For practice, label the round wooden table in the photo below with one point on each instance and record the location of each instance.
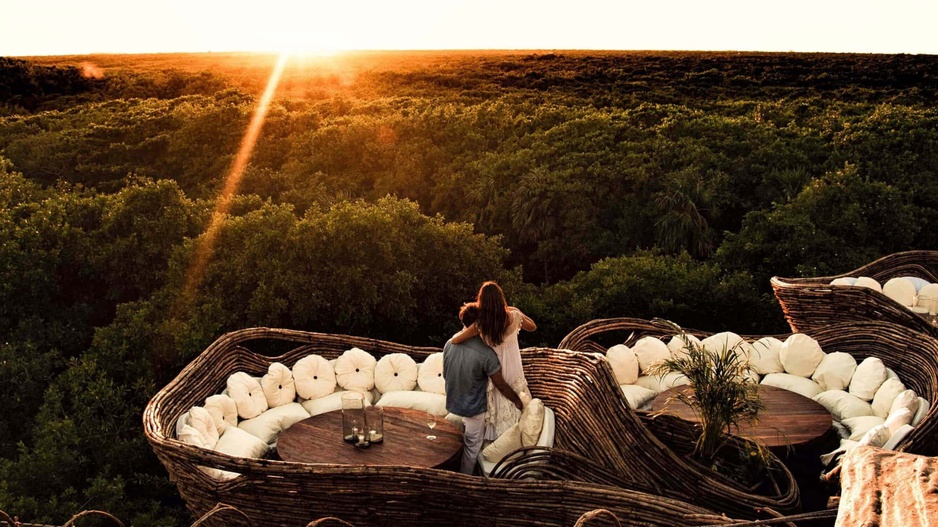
(789, 419)
(319, 440)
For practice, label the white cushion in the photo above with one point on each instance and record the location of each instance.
(637, 396)
(846, 445)
(650, 352)
(247, 394)
(901, 290)
(897, 437)
(800, 355)
(313, 377)
(331, 402)
(237, 442)
(876, 436)
(426, 401)
(835, 371)
(919, 283)
(929, 291)
(846, 280)
(898, 418)
(764, 357)
(182, 421)
(189, 435)
(505, 444)
(728, 341)
(678, 346)
(394, 372)
(868, 377)
(660, 383)
(890, 374)
(201, 430)
(430, 374)
(842, 405)
(793, 383)
(624, 363)
(224, 411)
(923, 407)
(546, 440)
(269, 424)
(907, 399)
(885, 395)
(355, 370)
(531, 421)
(866, 281)
(278, 385)
(859, 426)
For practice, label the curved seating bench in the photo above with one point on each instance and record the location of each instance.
(810, 304)
(274, 492)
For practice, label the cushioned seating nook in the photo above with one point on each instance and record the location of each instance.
(273, 492)
(810, 304)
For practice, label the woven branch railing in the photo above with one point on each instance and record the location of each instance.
(810, 304)
(911, 354)
(272, 492)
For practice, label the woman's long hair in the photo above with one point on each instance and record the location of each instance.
(493, 313)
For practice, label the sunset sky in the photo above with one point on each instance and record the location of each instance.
(56, 27)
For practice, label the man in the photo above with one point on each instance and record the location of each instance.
(467, 368)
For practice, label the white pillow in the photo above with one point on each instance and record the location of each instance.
(728, 341)
(269, 424)
(899, 418)
(531, 422)
(868, 377)
(650, 352)
(394, 372)
(224, 411)
(859, 426)
(331, 402)
(355, 370)
(890, 374)
(426, 401)
(637, 396)
(842, 405)
(624, 363)
(876, 436)
(203, 425)
(660, 383)
(506, 443)
(247, 394)
(901, 290)
(866, 281)
(897, 437)
(764, 357)
(847, 280)
(919, 283)
(800, 355)
(313, 377)
(930, 291)
(189, 435)
(430, 375)
(906, 399)
(923, 407)
(793, 383)
(885, 395)
(835, 371)
(679, 346)
(278, 385)
(236, 442)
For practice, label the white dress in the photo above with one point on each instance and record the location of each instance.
(501, 413)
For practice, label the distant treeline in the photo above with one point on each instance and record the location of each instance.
(385, 187)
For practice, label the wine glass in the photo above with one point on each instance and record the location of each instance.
(431, 422)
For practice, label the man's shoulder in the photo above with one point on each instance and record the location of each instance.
(475, 344)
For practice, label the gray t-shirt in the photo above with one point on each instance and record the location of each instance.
(467, 368)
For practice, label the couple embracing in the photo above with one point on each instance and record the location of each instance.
(482, 368)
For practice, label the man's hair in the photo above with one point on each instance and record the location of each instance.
(469, 313)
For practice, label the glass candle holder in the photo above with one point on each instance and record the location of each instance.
(353, 416)
(374, 423)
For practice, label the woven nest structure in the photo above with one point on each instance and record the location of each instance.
(911, 354)
(810, 304)
(597, 441)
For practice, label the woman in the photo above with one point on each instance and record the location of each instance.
(498, 325)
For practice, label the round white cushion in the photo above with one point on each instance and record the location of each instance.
(901, 290)
(764, 357)
(224, 411)
(278, 385)
(800, 355)
(859, 426)
(678, 346)
(846, 280)
(728, 341)
(793, 383)
(868, 377)
(917, 282)
(430, 374)
(866, 281)
(313, 377)
(835, 371)
(842, 405)
(247, 394)
(355, 370)
(394, 372)
(650, 352)
(624, 363)
(886, 395)
(928, 296)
